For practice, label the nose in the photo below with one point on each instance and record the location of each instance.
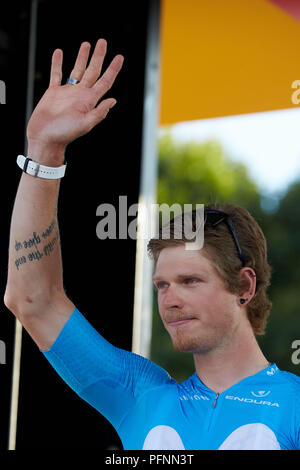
(171, 299)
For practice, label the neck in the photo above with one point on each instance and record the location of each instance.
(225, 366)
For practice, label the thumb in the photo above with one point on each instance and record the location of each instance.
(99, 113)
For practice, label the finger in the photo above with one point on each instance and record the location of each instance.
(99, 113)
(94, 69)
(105, 82)
(81, 61)
(56, 68)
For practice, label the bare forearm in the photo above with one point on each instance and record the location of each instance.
(34, 291)
(35, 267)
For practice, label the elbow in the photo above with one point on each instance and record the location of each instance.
(25, 304)
(9, 301)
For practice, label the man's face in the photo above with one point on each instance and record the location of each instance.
(196, 310)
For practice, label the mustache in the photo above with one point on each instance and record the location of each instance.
(170, 317)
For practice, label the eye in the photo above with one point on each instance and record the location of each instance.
(160, 285)
(191, 281)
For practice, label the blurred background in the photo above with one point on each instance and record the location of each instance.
(208, 111)
(229, 131)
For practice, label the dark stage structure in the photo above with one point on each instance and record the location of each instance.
(105, 164)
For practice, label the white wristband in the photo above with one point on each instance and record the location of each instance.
(33, 168)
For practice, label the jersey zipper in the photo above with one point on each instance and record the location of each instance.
(212, 413)
(215, 402)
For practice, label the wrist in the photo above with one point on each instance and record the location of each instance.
(46, 153)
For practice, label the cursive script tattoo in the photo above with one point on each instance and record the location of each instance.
(37, 245)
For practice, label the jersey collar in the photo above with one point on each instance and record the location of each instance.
(268, 372)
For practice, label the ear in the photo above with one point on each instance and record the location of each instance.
(247, 283)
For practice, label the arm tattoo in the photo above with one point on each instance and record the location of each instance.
(37, 246)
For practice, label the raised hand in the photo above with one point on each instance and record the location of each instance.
(66, 112)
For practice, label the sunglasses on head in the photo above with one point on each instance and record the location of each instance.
(214, 218)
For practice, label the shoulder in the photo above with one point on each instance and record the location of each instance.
(293, 400)
(146, 373)
(290, 378)
(290, 387)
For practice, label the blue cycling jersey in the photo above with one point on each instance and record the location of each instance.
(150, 410)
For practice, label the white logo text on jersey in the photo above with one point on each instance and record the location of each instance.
(251, 400)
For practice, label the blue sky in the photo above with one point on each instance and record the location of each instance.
(268, 143)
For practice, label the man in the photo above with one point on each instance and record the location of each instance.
(212, 301)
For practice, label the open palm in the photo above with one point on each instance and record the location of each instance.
(65, 112)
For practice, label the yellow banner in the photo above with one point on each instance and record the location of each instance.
(226, 57)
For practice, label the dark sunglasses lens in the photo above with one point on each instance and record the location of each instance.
(214, 217)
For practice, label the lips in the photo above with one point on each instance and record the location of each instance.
(180, 321)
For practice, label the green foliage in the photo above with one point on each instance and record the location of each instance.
(282, 231)
(193, 173)
(202, 173)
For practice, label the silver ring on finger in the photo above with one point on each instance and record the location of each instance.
(72, 81)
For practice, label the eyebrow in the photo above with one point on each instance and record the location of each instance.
(179, 276)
